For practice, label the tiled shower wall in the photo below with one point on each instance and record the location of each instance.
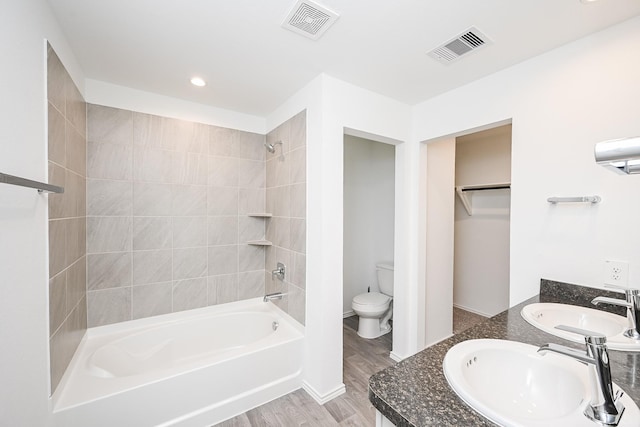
(167, 205)
(286, 200)
(166, 225)
(67, 142)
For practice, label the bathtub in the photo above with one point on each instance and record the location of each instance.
(192, 368)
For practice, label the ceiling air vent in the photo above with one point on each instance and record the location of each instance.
(309, 19)
(468, 41)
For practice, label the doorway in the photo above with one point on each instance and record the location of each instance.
(368, 216)
(481, 225)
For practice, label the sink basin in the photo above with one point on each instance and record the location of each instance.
(512, 385)
(546, 316)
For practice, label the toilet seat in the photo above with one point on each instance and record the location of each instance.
(370, 301)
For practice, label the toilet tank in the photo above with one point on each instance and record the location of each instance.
(384, 271)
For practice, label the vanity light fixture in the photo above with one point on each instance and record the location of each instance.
(197, 81)
(620, 155)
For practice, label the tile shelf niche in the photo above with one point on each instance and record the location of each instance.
(260, 242)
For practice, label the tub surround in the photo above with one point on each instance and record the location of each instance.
(67, 147)
(169, 206)
(415, 392)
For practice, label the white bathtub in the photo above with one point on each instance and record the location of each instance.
(193, 368)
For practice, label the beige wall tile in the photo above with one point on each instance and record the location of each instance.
(298, 162)
(57, 246)
(76, 108)
(250, 258)
(57, 79)
(222, 260)
(298, 235)
(222, 201)
(250, 145)
(151, 233)
(109, 198)
(57, 176)
(76, 239)
(298, 197)
(56, 136)
(57, 301)
(251, 174)
(151, 300)
(109, 234)
(109, 125)
(190, 168)
(189, 263)
(251, 200)
(188, 200)
(108, 306)
(223, 230)
(299, 270)
(222, 142)
(151, 199)
(154, 131)
(251, 285)
(226, 287)
(152, 266)
(76, 283)
(222, 172)
(250, 228)
(189, 231)
(76, 151)
(297, 301)
(298, 132)
(154, 165)
(109, 161)
(109, 270)
(190, 293)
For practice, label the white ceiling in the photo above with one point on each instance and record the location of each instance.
(252, 64)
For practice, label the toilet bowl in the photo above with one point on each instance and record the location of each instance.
(375, 309)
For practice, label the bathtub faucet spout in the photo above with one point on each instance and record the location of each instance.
(273, 296)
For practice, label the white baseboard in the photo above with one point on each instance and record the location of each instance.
(472, 310)
(440, 340)
(348, 314)
(323, 398)
(396, 357)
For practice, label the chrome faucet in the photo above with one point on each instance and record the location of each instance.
(278, 272)
(632, 303)
(605, 406)
(275, 295)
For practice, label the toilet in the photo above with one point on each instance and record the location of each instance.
(374, 309)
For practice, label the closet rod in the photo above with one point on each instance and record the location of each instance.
(485, 187)
(23, 182)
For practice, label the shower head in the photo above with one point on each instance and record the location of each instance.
(272, 147)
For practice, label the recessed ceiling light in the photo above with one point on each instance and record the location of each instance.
(588, 1)
(197, 81)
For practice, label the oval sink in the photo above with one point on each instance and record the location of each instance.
(546, 316)
(512, 385)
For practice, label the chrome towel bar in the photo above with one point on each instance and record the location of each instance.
(579, 199)
(23, 182)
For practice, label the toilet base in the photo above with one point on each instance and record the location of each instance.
(369, 328)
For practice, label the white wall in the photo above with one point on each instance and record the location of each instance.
(440, 180)
(24, 323)
(369, 172)
(481, 243)
(561, 104)
(111, 95)
(334, 107)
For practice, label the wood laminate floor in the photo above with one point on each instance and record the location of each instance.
(362, 358)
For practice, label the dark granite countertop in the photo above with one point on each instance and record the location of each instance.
(414, 392)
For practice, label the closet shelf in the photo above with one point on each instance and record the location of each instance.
(261, 214)
(259, 243)
(463, 190)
